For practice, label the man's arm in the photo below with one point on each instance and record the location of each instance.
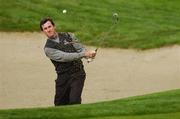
(61, 56)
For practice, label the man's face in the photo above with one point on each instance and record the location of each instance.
(49, 30)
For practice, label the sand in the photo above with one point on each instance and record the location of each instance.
(27, 76)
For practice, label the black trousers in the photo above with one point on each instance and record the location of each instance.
(69, 89)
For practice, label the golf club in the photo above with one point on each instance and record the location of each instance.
(101, 38)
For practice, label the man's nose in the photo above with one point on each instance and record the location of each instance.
(48, 30)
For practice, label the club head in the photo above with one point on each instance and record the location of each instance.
(115, 17)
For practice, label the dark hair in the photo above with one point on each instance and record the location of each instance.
(44, 20)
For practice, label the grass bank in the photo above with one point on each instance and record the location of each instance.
(164, 105)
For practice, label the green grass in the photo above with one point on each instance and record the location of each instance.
(143, 24)
(164, 105)
(148, 116)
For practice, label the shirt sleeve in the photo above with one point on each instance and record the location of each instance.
(78, 46)
(61, 56)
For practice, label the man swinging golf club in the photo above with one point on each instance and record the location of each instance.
(66, 55)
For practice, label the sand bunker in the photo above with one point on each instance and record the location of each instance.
(27, 76)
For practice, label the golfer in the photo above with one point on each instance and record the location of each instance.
(65, 53)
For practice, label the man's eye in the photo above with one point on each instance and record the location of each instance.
(45, 28)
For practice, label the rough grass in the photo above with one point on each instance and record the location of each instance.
(143, 24)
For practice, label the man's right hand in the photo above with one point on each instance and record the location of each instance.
(90, 54)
